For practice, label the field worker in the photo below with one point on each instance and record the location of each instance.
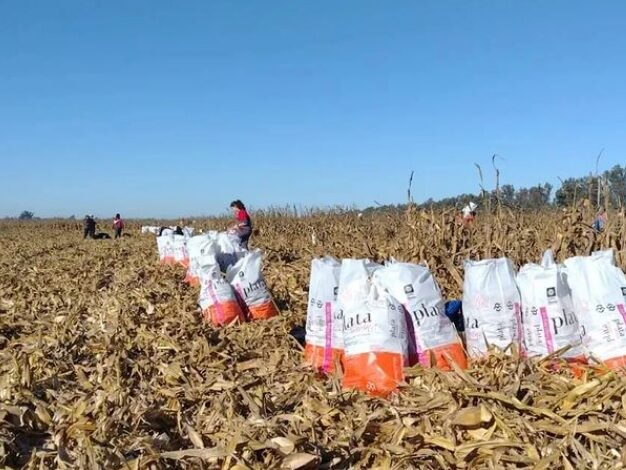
(118, 225)
(243, 227)
(469, 214)
(89, 227)
(600, 222)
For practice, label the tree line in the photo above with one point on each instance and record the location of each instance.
(607, 188)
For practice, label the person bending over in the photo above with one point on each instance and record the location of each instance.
(243, 227)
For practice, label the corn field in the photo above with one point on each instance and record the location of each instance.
(105, 361)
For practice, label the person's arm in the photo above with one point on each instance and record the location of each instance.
(239, 222)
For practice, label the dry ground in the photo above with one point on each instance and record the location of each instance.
(105, 362)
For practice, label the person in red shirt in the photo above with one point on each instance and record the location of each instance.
(243, 227)
(118, 225)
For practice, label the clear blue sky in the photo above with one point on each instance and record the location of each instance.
(164, 108)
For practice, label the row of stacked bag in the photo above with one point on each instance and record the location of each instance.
(373, 320)
(230, 278)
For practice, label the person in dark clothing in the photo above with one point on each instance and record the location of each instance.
(89, 227)
(118, 225)
(243, 227)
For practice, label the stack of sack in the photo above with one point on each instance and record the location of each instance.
(373, 320)
(238, 294)
(232, 286)
(575, 310)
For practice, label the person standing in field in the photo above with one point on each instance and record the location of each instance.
(89, 227)
(118, 225)
(243, 227)
(600, 222)
(468, 214)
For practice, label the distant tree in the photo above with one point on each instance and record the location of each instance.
(507, 194)
(573, 190)
(72, 217)
(611, 184)
(616, 179)
(26, 215)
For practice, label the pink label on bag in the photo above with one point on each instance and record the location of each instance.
(216, 303)
(329, 333)
(622, 311)
(546, 329)
(518, 317)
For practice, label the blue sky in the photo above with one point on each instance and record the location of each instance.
(162, 108)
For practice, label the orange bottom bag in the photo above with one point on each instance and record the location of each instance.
(262, 311)
(192, 280)
(224, 313)
(321, 358)
(616, 363)
(376, 373)
(439, 357)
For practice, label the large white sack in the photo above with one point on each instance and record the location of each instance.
(165, 245)
(180, 249)
(217, 299)
(324, 321)
(549, 322)
(430, 332)
(374, 333)
(199, 247)
(246, 277)
(491, 306)
(599, 295)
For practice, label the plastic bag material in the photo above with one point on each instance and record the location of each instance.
(599, 295)
(432, 338)
(324, 322)
(247, 279)
(230, 251)
(179, 247)
(198, 247)
(217, 299)
(491, 306)
(374, 331)
(604, 254)
(150, 229)
(165, 245)
(549, 322)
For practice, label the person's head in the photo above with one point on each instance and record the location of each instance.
(117, 216)
(237, 206)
